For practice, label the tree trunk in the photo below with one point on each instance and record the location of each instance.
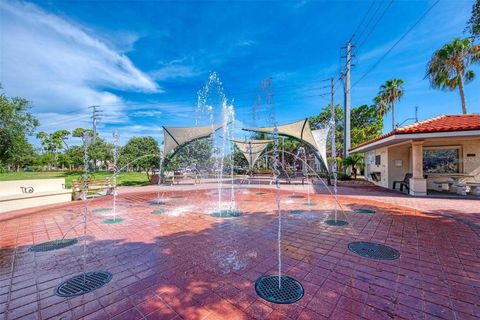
(393, 115)
(462, 94)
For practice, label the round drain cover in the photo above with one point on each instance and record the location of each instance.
(296, 197)
(365, 211)
(160, 211)
(226, 214)
(83, 283)
(374, 250)
(336, 223)
(53, 245)
(112, 221)
(290, 290)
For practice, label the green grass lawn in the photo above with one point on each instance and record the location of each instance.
(123, 179)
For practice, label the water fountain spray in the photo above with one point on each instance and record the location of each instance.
(86, 139)
(266, 86)
(215, 86)
(334, 157)
(160, 170)
(231, 119)
(302, 154)
(116, 137)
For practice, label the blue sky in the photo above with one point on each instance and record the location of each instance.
(145, 61)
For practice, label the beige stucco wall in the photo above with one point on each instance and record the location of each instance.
(45, 191)
(382, 168)
(390, 172)
(39, 185)
(399, 153)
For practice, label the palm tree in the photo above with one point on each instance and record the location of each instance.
(389, 93)
(353, 160)
(382, 107)
(448, 68)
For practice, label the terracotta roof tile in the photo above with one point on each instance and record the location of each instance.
(445, 123)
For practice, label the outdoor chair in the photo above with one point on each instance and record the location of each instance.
(375, 176)
(403, 183)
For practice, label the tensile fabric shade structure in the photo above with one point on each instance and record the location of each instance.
(252, 149)
(321, 138)
(174, 138)
(301, 130)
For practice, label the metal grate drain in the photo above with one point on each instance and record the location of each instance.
(226, 214)
(112, 221)
(296, 211)
(365, 211)
(290, 291)
(336, 223)
(374, 250)
(157, 203)
(160, 211)
(296, 197)
(259, 193)
(309, 204)
(76, 286)
(177, 197)
(53, 245)
(98, 210)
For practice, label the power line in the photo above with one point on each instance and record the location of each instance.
(363, 19)
(371, 19)
(375, 25)
(396, 43)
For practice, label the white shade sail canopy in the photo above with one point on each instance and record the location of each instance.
(251, 149)
(175, 137)
(321, 138)
(301, 130)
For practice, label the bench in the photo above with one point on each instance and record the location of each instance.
(179, 176)
(474, 188)
(22, 194)
(471, 187)
(442, 185)
(260, 177)
(82, 187)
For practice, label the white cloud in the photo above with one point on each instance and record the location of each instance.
(59, 66)
(146, 114)
(174, 71)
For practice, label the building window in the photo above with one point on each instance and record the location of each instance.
(378, 160)
(441, 160)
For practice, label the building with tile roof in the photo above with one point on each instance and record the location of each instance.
(435, 154)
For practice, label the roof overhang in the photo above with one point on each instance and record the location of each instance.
(402, 138)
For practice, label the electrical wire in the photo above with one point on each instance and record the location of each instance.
(395, 44)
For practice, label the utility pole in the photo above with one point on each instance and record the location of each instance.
(334, 133)
(95, 117)
(346, 105)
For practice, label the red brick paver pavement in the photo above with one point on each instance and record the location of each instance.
(185, 264)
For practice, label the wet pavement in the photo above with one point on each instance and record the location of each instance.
(183, 263)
